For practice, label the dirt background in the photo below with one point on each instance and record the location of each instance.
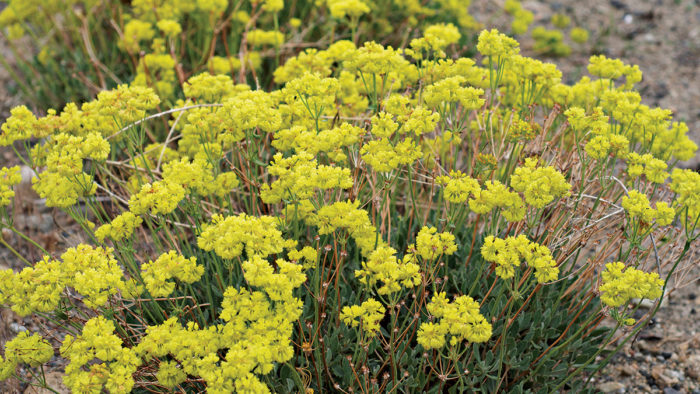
(661, 36)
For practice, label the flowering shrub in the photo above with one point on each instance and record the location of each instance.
(386, 220)
(86, 46)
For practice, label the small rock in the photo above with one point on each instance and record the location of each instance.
(693, 367)
(628, 370)
(666, 355)
(611, 387)
(693, 372)
(617, 4)
(628, 19)
(17, 328)
(27, 174)
(670, 390)
(677, 375)
(660, 374)
(648, 347)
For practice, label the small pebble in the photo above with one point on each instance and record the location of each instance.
(611, 387)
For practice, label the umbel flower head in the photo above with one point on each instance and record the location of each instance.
(367, 315)
(460, 319)
(389, 274)
(540, 185)
(509, 253)
(621, 284)
(8, 178)
(25, 348)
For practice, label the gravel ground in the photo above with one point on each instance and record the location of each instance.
(662, 37)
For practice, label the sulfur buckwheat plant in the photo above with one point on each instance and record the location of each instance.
(384, 219)
(81, 47)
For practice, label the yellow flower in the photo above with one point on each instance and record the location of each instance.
(135, 31)
(579, 35)
(229, 237)
(273, 5)
(458, 186)
(637, 206)
(25, 348)
(497, 195)
(493, 43)
(368, 315)
(388, 273)
(18, 126)
(686, 185)
(373, 58)
(460, 319)
(430, 244)
(351, 8)
(169, 27)
(161, 197)
(384, 157)
(8, 178)
(621, 285)
(540, 185)
(278, 286)
(602, 67)
(510, 252)
(259, 37)
(98, 359)
(121, 227)
(157, 274)
(170, 374)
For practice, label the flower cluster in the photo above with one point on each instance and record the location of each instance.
(509, 253)
(348, 216)
(121, 227)
(638, 207)
(686, 184)
(497, 195)
(430, 244)
(387, 273)
(653, 169)
(385, 157)
(458, 187)
(540, 185)
(276, 195)
(8, 178)
(157, 274)
(92, 272)
(279, 286)
(494, 44)
(460, 319)
(621, 284)
(229, 237)
(367, 315)
(98, 359)
(25, 348)
(299, 177)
